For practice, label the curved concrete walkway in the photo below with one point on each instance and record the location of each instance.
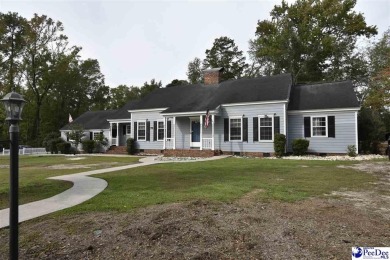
(84, 188)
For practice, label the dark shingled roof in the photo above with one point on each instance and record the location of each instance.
(198, 97)
(123, 113)
(92, 120)
(323, 96)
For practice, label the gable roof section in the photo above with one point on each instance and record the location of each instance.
(198, 97)
(323, 96)
(92, 120)
(262, 89)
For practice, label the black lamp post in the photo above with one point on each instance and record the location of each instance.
(13, 103)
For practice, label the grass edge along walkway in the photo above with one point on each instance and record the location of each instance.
(83, 189)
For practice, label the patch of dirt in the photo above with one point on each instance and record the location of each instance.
(317, 228)
(248, 198)
(377, 200)
(310, 229)
(76, 158)
(79, 166)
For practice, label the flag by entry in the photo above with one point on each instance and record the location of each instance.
(70, 119)
(207, 119)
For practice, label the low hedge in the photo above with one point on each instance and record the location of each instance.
(88, 145)
(279, 144)
(300, 146)
(131, 149)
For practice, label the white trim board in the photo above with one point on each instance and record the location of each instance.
(255, 103)
(293, 112)
(119, 120)
(195, 113)
(147, 110)
(87, 130)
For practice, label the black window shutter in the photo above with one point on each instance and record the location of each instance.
(277, 125)
(135, 131)
(306, 121)
(147, 130)
(226, 129)
(169, 129)
(255, 129)
(331, 126)
(90, 136)
(155, 131)
(245, 129)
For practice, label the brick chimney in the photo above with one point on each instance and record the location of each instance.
(212, 76)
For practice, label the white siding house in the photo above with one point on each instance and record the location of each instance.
(235, 116)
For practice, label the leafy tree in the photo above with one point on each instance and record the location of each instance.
(119, 96)
(12, 32)
(45, 46)
(378, 94)
(149, 87)
(92, 78)
(100, 142)
(194, 71)
(312, 39)
(225, 53)
(371, 128)
(177, 82)
(51, 141)
(76, 134)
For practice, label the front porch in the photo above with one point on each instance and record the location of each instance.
(189, 133)
(119, 132)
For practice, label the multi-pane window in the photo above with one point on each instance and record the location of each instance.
(319, 126)
(142, 131)
(266, 128)
(160, 130)
(235, 128)
(128, 129)
(96, 135)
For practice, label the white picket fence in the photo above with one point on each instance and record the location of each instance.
(25, 151)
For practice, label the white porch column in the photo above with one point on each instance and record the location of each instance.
(201, 132)
(110, 135)
(165, 132)
(174, 132)
(117, 134)
(212, 131)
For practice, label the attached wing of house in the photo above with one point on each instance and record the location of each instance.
(243, 116)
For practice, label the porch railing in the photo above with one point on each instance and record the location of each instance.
(169, 143)
(207, 143)
(113, 141)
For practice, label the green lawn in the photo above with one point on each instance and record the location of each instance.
(222, 180)
(34, 170)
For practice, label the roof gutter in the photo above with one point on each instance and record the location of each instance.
(255, 103)
(194, 113)
(292, 112)
(147, 110)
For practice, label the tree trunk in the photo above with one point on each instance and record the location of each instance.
(37, 121)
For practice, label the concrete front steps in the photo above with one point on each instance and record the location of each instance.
(117, 150)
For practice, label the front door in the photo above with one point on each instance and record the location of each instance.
(195, 133)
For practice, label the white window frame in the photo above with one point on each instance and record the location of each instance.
(128, 129)
(160, 121)
(312, 126)
(236, 117)
(93, 135)
(138, 122)
(273, 128)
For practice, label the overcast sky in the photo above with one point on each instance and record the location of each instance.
(136, 41)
